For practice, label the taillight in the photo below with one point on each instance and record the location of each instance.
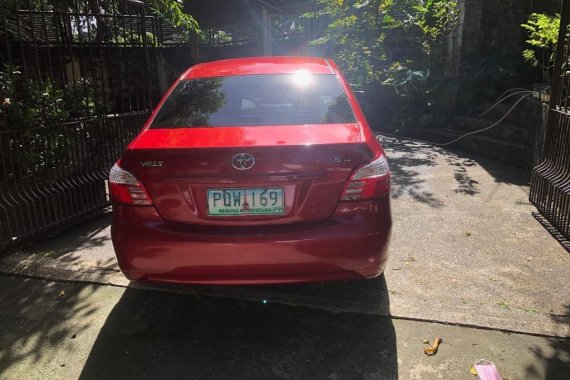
(369, 181)
(126, 188)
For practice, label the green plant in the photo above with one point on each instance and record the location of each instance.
(542, 37)
(29, 103)
(390, 48)
(30, 108)
(214, 37)
(79, 100)
(363, 35)
(35, 112)
(504, 304)
(436, 19)
(530, 309)
(173, 12)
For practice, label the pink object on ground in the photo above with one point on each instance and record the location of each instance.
(487, 370)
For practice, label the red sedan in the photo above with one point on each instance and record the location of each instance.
(253, 171)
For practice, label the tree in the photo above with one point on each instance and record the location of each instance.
(171, 11)
(393, 49)
(360, 34)
(542, 37)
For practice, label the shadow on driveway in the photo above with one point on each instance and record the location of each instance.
(86, 237)
(409, 160)
(556, 362)
(151, 334)
(34, 321)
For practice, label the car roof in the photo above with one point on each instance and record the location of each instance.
(259, 65)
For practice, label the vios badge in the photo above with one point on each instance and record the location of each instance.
(243, 161)
(152, 164)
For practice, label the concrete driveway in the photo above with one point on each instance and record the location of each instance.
(466, 251)
(61, 330)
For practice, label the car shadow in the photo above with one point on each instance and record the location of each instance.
(151, 334)
(362, 295)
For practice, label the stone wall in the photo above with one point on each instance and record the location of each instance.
(492, 27)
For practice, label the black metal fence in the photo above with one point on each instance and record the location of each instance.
(550, 184)
(79, 77)
(75, 86)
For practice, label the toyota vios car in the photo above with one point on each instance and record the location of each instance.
(253, 171)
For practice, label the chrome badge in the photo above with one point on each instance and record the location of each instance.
(152, 164)
(243, 161)
(339, 159)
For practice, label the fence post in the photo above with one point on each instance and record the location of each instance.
(146, 59)
(266, 31)
(550, 182)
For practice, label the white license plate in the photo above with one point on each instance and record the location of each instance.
(254, 201)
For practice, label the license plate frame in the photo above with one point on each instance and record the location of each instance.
(274, 205)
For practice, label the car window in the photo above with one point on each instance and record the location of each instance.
(250, 100)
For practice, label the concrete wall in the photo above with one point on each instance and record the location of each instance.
(493, 26)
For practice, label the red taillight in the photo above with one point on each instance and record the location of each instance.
(369, 181)
(126, 188)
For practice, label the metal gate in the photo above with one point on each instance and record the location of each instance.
(74, 90)
(550, 183)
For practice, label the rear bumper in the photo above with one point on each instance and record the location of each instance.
(351, 244)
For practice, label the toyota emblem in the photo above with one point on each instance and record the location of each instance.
(243, 161)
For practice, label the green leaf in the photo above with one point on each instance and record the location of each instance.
(173, 12)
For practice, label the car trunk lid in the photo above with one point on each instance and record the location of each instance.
(309, 163)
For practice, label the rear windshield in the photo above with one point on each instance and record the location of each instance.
(250, 100)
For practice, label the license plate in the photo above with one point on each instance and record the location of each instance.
(254, 201)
